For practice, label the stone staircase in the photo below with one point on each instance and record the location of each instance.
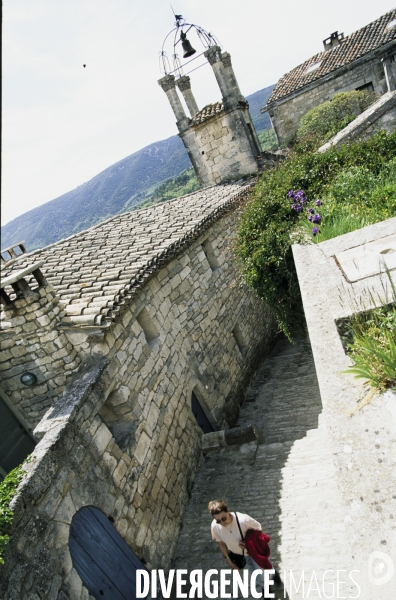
(286, 482)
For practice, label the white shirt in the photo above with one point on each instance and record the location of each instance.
(230, 535)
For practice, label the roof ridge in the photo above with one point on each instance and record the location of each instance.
(134, 211)
(114, 265)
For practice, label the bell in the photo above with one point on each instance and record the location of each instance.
(188, 49)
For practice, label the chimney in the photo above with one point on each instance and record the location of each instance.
(334, 40)
(12, 252)
(37, 357)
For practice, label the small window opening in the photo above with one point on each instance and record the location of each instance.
(117, 414)
(312, 68)
(6, 256)
(150, 331)
(200, 415)
(240, 339)
(210, 255)
(367, 87)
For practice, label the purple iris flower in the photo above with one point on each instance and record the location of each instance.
(311, 211)
(316, 219)
(291, 194)
(315, 231)
(318, 203)
(310, 218)
(298, 208)
(300, 197)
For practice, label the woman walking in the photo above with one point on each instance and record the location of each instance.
(229, 530)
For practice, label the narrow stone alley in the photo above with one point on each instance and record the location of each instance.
(286, 482)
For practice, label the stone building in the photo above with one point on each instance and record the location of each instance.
(364, 60)
(220, 138)
(134, 337)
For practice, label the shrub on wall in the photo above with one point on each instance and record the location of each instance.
(324, 121)
(269, 225)
(8, 488)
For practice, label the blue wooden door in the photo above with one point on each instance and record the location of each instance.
(101, 557)
(200, 415)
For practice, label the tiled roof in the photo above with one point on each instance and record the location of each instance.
(95, 271)
(211, 110)
(354, 46)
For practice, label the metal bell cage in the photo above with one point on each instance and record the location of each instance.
(180, 31)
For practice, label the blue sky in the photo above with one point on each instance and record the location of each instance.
(63, 123)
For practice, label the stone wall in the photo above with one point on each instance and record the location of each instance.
(30, 341)
(286, 113)
(223, 148)
(123, 437)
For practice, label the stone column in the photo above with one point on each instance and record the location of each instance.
(169, 86)
(226, 58)
(184, 85)
(213, 55)
(389, 63)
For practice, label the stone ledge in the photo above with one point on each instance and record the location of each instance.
(229, 437)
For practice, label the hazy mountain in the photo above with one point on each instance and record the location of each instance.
(123, 186)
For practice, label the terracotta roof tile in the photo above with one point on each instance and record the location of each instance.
(354, 46)
(83, 283)
(209, 111)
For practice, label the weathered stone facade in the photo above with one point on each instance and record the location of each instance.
(122, 436)
(30, 341)
(224, 148)
(285, 115)
(220, 139)
(364, 60)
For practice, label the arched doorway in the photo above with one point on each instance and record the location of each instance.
(104, 561)
(200, 415)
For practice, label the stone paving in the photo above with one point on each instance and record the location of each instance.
(287, 481)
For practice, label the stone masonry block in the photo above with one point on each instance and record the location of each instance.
(142, 447)
(101, 438)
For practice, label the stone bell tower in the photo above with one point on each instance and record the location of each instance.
(220, 138)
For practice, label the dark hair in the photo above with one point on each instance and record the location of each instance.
(217, 506)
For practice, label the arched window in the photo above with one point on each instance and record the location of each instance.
(104, 561)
